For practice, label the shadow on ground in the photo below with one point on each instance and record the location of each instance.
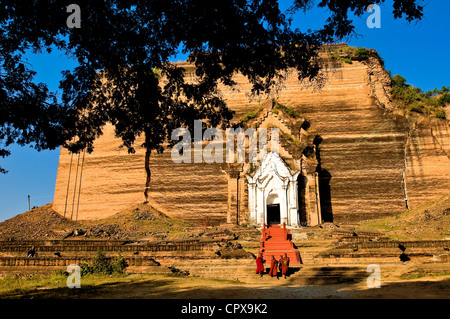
(197, 288)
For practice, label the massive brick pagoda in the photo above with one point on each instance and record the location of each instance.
(348, 153)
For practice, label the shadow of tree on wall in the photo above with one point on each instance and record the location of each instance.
(301, 189)
(325, 195)
(324, 184)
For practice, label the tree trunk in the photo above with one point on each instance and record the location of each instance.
(149, 173)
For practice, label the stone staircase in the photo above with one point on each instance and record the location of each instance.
(322, 261)
(243, 270)
(275, 241)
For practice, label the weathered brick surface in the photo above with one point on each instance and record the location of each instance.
(363, 149)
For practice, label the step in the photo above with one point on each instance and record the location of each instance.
(268, 255)
(277, 253)
(276, 243)
(293, 259)
(298, 275)
(280, 249)
(287, 246)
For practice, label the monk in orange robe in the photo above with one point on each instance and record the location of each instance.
(273, 267)
(285, 265)
(260, 265)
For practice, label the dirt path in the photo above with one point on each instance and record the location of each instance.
(144, 286)
(196, 289)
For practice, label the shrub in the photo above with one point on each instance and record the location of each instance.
(362, 53)
(347, 60)
(444, 99)
(118, 264)
(85, 269)
(436, 91)
(286, 109)
(402, 91)
(103, 265)
(348, 50)
(288, 138)
(440, 114)
(248, 116)
(100, 264)
(416, 107)
(398, 81)
(414, 100)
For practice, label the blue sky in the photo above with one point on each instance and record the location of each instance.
(418, 51)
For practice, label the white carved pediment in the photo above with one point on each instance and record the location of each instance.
(272, 165)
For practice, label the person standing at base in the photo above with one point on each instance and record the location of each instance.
(280, 263)
(260, 265)
(273, 267)
(32, 252)
(285, 265)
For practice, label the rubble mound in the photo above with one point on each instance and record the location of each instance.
(428, 222)
(39, 223)
(137, 222)
(140, 221)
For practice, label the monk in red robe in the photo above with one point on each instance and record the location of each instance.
(280, 262)
(260, 265)
(273, 267)
(285, 265)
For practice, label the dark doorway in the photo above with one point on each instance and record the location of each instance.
(324, 184)
(325, 195)
(301, 184)
(273, 214)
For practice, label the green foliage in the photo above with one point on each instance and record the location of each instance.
(275, 111)
(248, 116)
(103, 265)
(347, 60)
(286, 109)
(434, 92)
(288, 138)
(362, 53)
(85, 269)
(131, 43)
(417, 107)
(60, 272)
(444, 99)
(334, 55)
(440, 114)
(347, 53)
(416, 274)
(348, 50)
(414, 100)
(398, 81)
(118, 264)
(100, 264)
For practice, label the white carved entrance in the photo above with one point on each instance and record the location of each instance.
(272, 193)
